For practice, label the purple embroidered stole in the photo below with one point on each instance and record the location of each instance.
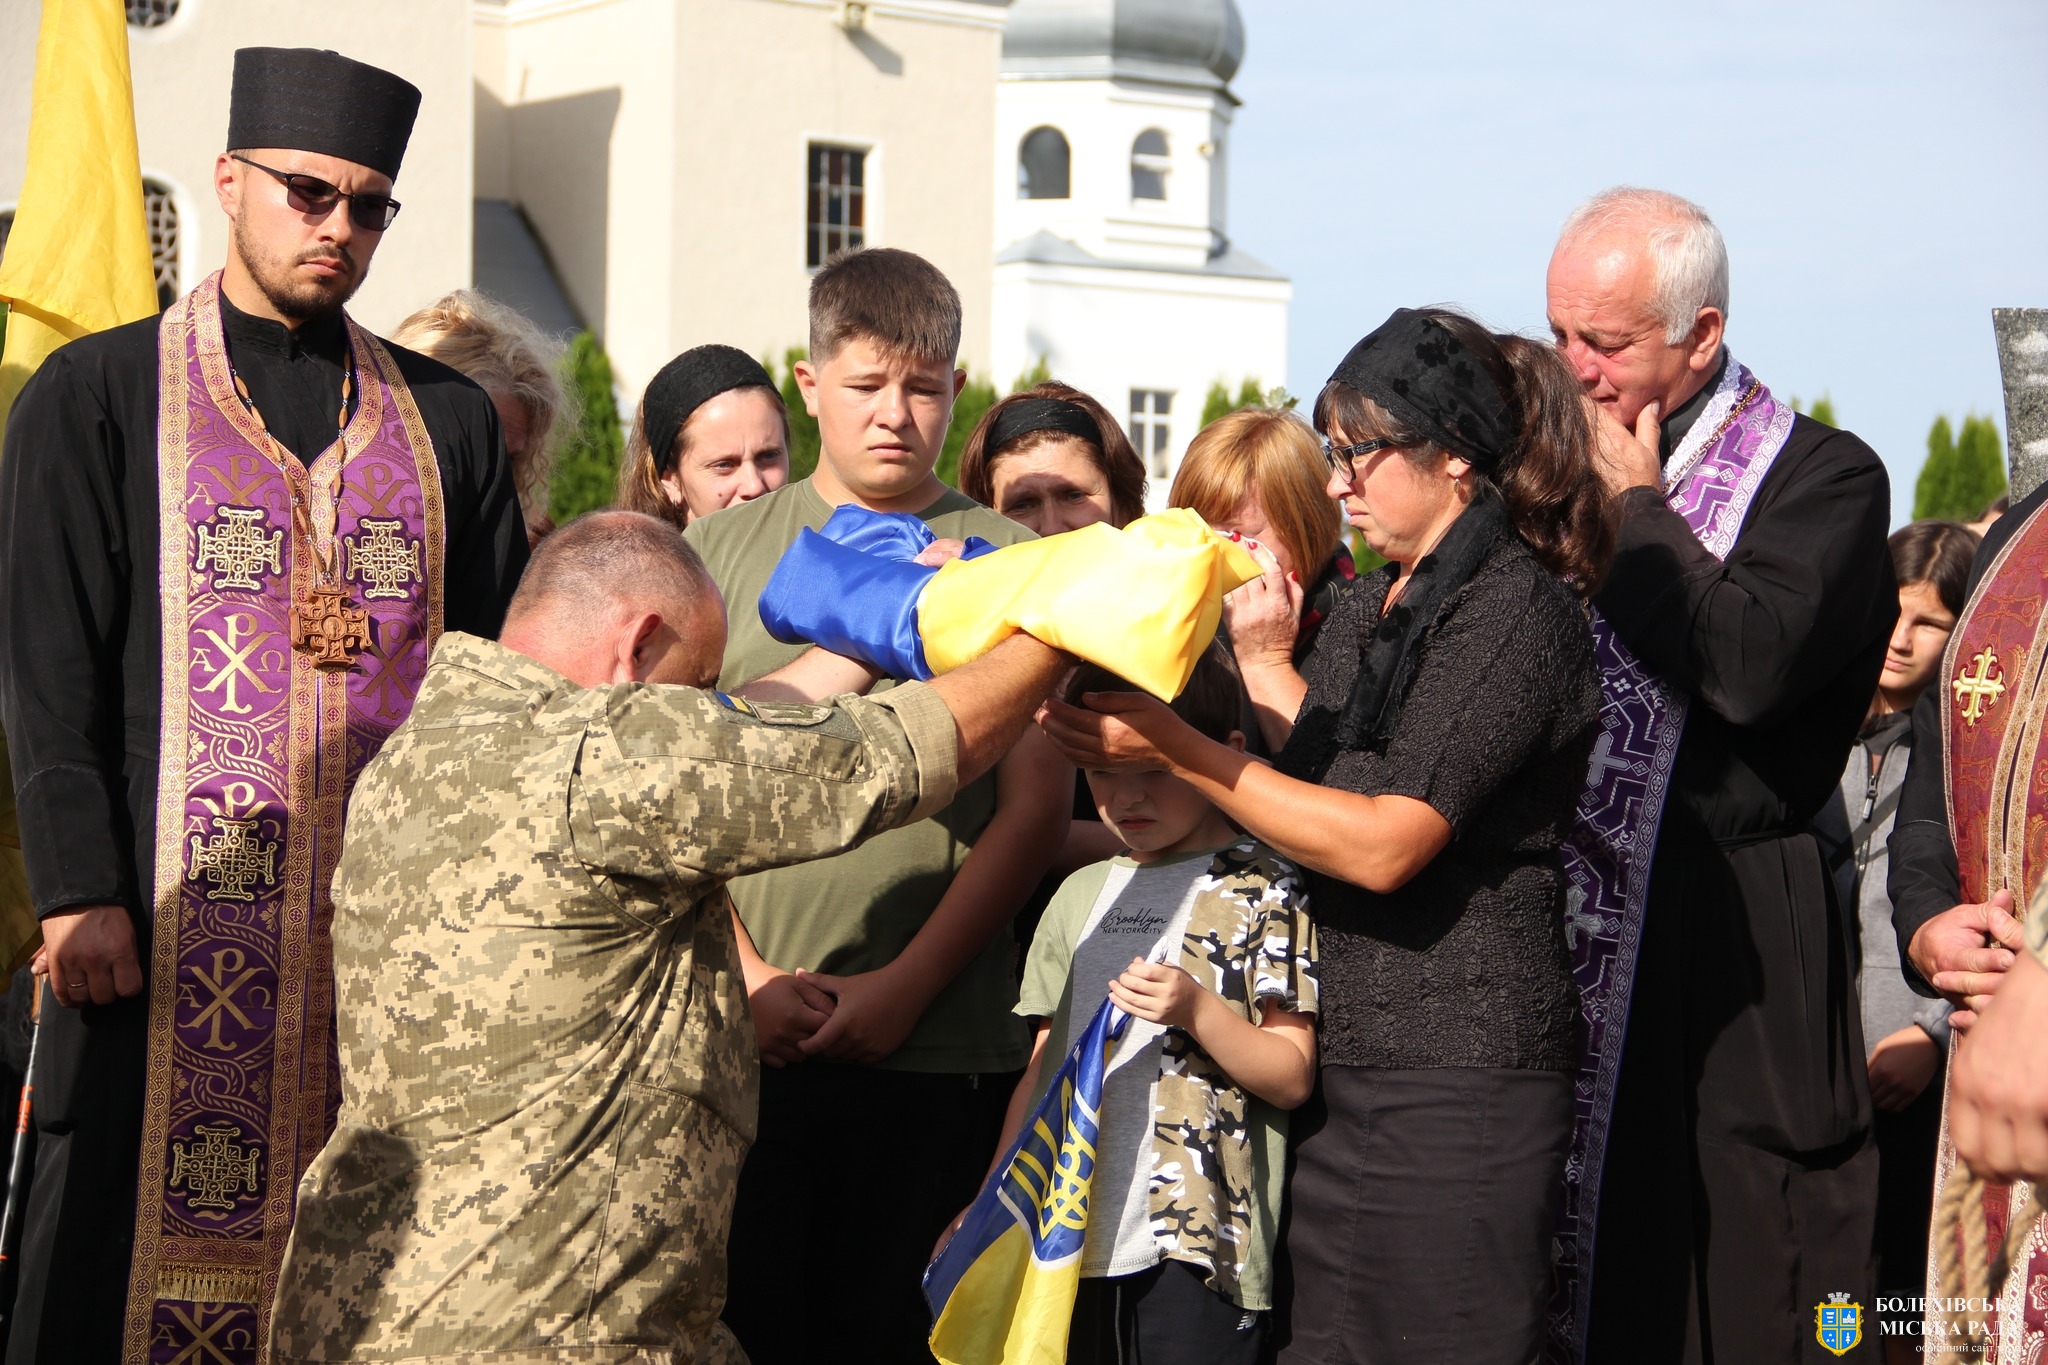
(259, 753)
(1709, 481)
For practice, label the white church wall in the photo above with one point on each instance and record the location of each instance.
(1110, 331)
(183, 73)
(659, 147)
(576, 111)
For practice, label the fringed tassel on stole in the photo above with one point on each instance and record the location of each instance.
(1967, 1270)
(208, 1283)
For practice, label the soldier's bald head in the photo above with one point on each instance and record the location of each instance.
(600, 574)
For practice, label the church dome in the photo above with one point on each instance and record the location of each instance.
(1173, 40)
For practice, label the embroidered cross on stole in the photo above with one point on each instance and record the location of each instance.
(277, 689)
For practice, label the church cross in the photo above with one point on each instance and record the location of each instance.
(383, 560)
(214, 1169)
(234, 859)
(1979, 692)
(330, 628)
(236, 547)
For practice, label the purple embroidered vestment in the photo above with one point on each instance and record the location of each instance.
(259, 753)
(1710, 481)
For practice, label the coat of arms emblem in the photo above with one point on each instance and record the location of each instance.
(1838, 1323)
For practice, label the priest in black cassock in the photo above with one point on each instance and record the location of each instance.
(229, 537)
(1739, 1187)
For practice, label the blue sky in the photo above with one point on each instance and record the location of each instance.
(1880, 171)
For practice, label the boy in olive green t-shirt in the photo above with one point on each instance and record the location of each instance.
(881, 981)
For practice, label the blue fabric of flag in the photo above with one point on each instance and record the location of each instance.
(852, 588)
(1002, 1291)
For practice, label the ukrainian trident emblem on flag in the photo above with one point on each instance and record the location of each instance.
(1838, 1323)
(1003, 1289)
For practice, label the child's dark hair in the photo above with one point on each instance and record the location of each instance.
(1212, 702)
(1936, 552)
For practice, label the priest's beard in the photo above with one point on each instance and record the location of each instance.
(290, 293)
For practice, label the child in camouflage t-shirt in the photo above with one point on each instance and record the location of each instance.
(1203, 936)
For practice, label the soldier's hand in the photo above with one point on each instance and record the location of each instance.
(89, 955)
(786, 1011)
(873, 1016)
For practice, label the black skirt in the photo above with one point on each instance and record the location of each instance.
(1420, 1213)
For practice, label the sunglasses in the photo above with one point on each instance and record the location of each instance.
(311, 194)
(1344, 459)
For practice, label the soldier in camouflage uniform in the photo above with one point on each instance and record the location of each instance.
(549, 1072)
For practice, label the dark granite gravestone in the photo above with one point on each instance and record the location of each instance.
(2023, 360)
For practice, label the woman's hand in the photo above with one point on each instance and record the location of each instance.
(1263, 617)
(1901, 1066)
(1115, 730)
(1158, 994)
(940, 553)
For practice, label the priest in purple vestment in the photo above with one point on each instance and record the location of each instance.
(229, 538)
(1731, 1186)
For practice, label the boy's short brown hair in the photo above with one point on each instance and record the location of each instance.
(1212, 702)
(896, 299)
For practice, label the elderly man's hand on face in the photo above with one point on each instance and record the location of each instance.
(1998, 1100)
(1627, 459)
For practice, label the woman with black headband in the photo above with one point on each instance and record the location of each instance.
(711, 431)
(1052, 459)
(1426, 785)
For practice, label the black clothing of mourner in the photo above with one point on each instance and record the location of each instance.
(81, 657)
(1741, 1177)
(1449, 1013)
(1924, 881)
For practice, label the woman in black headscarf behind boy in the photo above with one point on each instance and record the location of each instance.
(1427, 783)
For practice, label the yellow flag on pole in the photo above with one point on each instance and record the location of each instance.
(77, 261)
(78, 255)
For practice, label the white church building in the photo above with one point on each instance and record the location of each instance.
(671, 172)
(1116, 267)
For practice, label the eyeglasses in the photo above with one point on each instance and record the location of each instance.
(310, 194)
(1344, 459)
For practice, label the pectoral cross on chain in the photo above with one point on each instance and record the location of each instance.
(330, 627)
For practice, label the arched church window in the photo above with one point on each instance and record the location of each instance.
(1043, 165)
(1150, 161)
(162, 212)
(151, 13)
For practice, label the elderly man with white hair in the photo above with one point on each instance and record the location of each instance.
(1725, 1172)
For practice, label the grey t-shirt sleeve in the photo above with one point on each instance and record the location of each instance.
(1048, 967)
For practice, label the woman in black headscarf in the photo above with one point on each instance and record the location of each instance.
(712, 431)
(1426, 785)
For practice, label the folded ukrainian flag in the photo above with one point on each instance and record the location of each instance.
(1143, 602)
(1003, 1289)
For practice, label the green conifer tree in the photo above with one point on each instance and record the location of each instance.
(803, 428)
(1039, 373)
(587, 471)
(1963, 474)
(976, 398)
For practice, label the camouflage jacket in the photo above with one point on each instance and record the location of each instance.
(548, 1074)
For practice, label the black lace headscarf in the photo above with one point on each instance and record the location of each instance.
(1430, 382)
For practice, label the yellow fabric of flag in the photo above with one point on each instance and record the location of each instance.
(77, 261)
(1142, 602)
(78, 255)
